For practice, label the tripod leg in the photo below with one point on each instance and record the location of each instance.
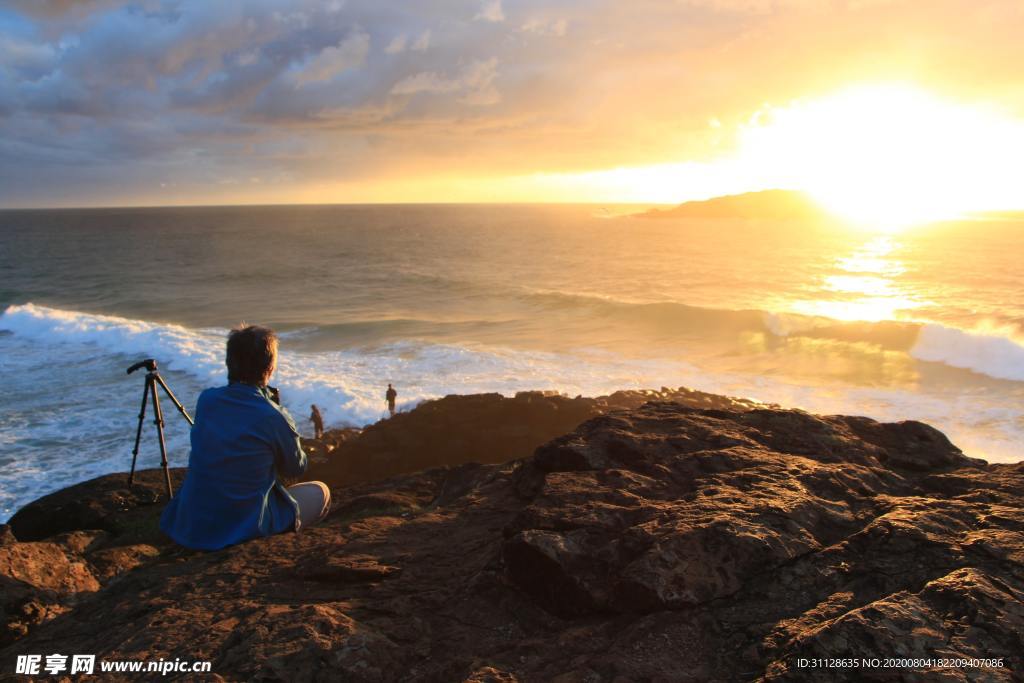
(160, 432)
(174, 399)
(138, 432)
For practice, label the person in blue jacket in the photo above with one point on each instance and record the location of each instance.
(243, 443)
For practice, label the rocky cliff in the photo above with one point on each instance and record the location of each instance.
(482, 428)
(658, 542)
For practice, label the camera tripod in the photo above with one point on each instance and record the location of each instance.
(153, 378)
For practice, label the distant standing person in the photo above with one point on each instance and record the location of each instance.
(390, 397)
(318, 422)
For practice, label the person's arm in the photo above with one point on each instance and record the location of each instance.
(289, 457)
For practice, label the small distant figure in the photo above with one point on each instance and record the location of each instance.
(318, 422)
(390, 397)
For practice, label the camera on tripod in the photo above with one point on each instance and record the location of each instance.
(153, 379)
(149, 364)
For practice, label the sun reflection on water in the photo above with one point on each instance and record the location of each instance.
(864, 287)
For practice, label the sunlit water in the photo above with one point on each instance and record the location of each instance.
(917, 325)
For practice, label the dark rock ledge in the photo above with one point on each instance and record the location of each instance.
(659, 541)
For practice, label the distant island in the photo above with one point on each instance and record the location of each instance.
(772, 204)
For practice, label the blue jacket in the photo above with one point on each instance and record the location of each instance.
(241, 442)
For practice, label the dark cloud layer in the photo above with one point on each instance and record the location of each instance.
(104, 101)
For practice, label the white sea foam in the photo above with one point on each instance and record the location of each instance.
(996, 352)
(348, 383)
(990, 353)
(56, 432)
(785, 324)
(176, 347)
(69, 412)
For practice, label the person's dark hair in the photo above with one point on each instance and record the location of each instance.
(251, 353)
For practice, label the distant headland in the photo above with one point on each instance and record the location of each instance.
(765, 204)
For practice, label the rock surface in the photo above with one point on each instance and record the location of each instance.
(483, 428)
(105, 503)
(661, 542)
(93, 531)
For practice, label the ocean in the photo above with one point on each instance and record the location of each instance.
(922, 324)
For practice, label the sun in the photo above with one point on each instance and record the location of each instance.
(881, 156)
(888, 156)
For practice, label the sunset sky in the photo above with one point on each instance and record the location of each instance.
(200, 102)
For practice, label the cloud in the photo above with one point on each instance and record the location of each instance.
(397, 44)
(27, 60)
(312, 91)
(764, 7)
(550, 27)
(349, 53)
(421, 43)
(247, 58)
(490, 11)
(425, 81)
(475, 81)
(56, 8)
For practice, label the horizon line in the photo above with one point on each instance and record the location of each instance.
(109, 207)
(284, 204)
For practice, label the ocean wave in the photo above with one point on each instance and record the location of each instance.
(658, 313)
(315, 361)
(996, 354)
(348, 383)
(176, 347)
(70, 405)
(303, 378)
(310, 336)
(669, 317)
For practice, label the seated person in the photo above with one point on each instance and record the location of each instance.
(243, 442)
